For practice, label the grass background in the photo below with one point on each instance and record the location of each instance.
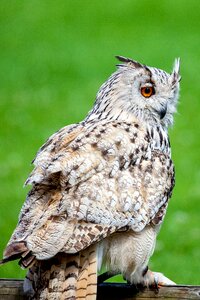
(54, 55)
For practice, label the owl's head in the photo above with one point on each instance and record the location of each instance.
(136, 90)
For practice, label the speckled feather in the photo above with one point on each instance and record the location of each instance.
(85, 204)
(110, 173)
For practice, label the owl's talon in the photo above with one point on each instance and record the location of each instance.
(151, 280)
(160, 280)
(156, 285)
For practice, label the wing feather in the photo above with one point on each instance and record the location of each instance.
(89, 182)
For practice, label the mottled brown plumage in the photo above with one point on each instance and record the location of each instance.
(100, 190)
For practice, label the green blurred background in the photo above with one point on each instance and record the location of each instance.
(54, 55)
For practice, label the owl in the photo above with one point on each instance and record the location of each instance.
(100, 189)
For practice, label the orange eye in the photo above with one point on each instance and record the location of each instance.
(147, 91)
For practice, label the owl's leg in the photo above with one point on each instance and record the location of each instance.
(129, 254)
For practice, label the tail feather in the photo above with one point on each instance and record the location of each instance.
(87, 281)
(72, 266)
(27, 261)
(14, 251)
(69, 277)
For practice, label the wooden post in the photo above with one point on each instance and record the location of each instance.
(12, 289)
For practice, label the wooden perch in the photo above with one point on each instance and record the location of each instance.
(123, 291)
(12, 289)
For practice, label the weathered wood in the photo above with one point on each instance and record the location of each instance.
(12, 289)
(123, 291)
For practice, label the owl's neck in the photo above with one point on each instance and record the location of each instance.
(121, 113)
(157, 132)
(153, 119)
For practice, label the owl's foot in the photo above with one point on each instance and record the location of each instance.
(160, 279)
(150, 279)
(156, 280)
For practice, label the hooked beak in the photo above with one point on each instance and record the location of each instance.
(163, 112)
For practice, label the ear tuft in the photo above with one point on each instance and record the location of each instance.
(176, 68)
(129, 61)
(175, 75)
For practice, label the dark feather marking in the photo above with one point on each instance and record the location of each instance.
(82, 288)
(69, 287)
(71, 275)
(161, 136)
(94, 273)
(72, 263)
(27, 261)
(89, 294)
